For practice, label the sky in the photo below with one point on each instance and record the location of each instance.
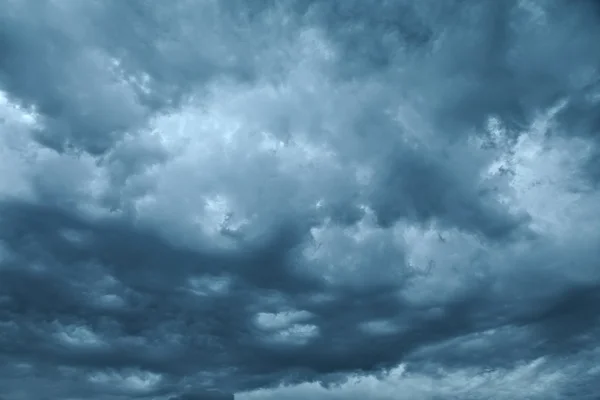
(299, 199)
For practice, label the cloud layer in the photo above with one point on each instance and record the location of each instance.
(299, 199)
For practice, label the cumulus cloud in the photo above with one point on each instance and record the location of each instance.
(299, 199)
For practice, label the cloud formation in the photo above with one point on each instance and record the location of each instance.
(299, 199)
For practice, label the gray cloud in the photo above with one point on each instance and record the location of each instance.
(299, 199)
(205, 395)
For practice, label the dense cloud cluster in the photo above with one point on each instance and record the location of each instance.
(299, 199)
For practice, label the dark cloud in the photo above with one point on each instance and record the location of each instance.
(205, 395)
(299, 199)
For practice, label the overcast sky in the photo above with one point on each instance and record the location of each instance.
(299, 199)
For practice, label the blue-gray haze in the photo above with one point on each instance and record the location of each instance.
(300, 199)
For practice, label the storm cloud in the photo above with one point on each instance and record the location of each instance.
(299, 199)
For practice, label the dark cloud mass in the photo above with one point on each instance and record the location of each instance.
(299, 199)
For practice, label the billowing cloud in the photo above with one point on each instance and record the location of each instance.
(299, 199)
